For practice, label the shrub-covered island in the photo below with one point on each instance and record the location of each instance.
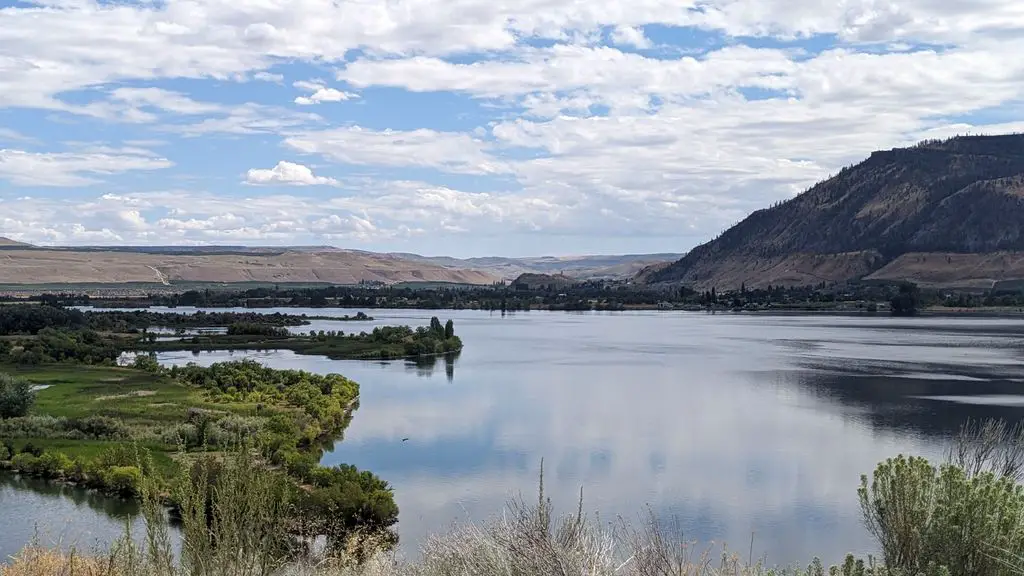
(34, 334)
(110, 427)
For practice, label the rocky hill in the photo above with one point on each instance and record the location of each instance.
(941, 213)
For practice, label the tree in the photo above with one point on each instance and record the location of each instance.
(906, 302)
(16, 396)
(449, 329)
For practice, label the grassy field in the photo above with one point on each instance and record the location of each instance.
(137, 397)
(145, 402)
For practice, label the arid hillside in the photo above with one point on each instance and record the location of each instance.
(25, 265)
(578, 267)
(942, 213)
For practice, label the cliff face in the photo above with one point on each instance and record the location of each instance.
(960, 196)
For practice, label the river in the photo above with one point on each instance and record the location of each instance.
(739, 428)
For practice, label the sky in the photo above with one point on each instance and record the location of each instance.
(470, 127)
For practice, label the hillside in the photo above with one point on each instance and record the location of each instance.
(942, 213)
(531, 281)
(578, 267)
(26, 266)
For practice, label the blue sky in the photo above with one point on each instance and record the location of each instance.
(474, 127)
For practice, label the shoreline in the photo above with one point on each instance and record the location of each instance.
(934, 311)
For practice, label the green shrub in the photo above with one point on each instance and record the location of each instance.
(16, 396)
(124, 480)
(100, 428)
(345, 500)
(300, 464)
(124, 455)
(5, 453)
(77, 471)
(147, 362)
(186, 434)
(25, 462)
(32, 427)
(53, 464)
(925, 517)
(89, 428)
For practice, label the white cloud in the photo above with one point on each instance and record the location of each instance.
(72, 168)
(321, 94)
(630, 36)
(287, 173)
(445, 151)
(247, 119)
(268, 77)
(161, 99)
(9, 135)
(71, 46)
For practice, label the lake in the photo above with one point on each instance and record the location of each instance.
(738, 427)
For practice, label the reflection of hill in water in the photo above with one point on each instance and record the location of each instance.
(926, 398)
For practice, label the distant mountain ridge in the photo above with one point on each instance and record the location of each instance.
(588, 267)
(943, 213)
(22, 263)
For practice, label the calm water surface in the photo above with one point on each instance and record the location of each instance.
(734, 426)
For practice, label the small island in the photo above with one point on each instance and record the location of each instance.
(40, 333)
(382, 343)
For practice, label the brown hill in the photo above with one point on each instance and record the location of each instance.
(532, 281)
(937, 213)
(590, 267)
(70, 266)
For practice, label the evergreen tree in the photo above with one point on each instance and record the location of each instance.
(436, 327)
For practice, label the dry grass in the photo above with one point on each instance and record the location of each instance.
(45, 562)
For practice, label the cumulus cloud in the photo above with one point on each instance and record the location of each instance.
(320, 94)
(630, 36)
(287, 173)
